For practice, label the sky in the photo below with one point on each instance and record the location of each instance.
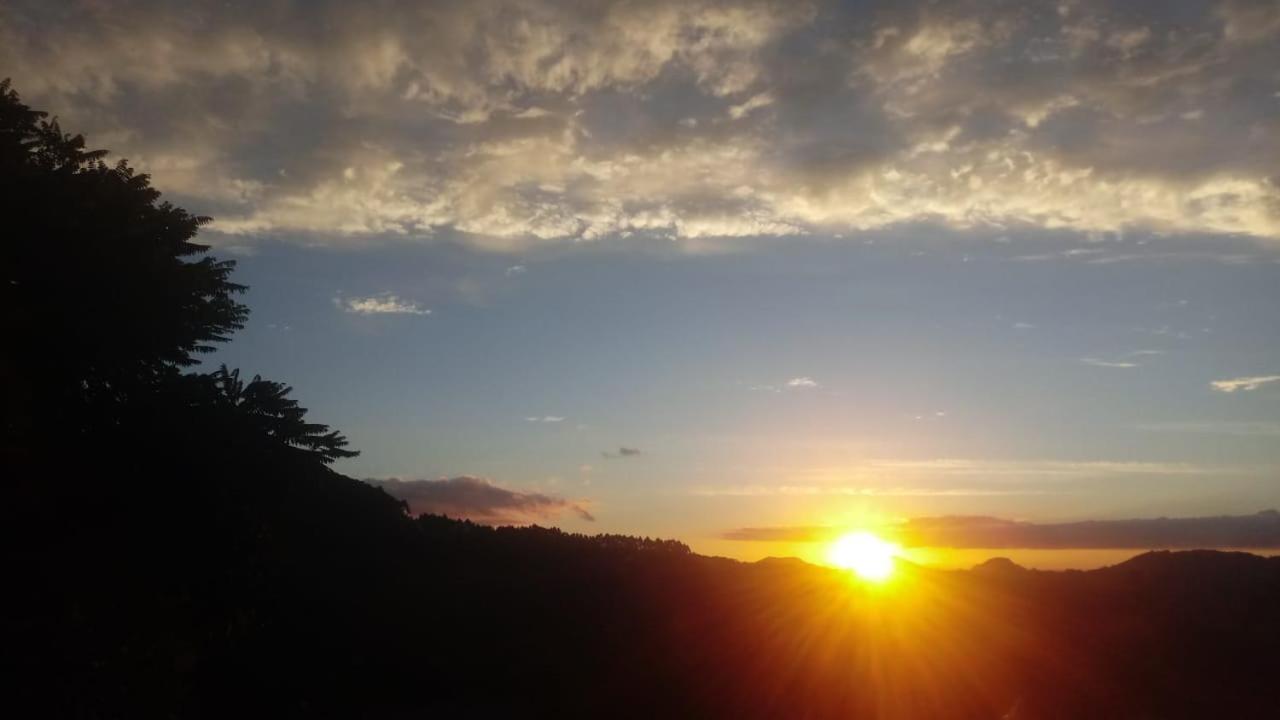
(980, 275)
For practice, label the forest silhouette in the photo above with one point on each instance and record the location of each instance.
(179, 546)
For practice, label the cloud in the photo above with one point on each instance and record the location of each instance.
(797, 534)
(1109, 363)
(545, 419)
(855, 491)
(1235, 428)
(963, 467)
(515, 270)
(795, 383)
(384, 304)
(1261, 530)
(516, 124)
(623, 452)
(479, 500)
(962, 477)
(1243, 383)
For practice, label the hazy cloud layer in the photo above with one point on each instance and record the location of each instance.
(1228, 531)
(537, 121)
(1243, 383)
(479, 500)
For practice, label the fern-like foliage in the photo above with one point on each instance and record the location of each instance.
(265, 408)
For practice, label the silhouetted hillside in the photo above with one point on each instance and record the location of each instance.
(301, 592)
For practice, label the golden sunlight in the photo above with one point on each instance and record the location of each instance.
(868, 556)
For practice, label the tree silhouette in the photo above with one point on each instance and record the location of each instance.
(103, 289)
(107, 297)
(263, 406)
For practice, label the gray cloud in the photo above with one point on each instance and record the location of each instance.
(799, 533)
(623, 452)
(479, 500)
(1261, 530)
(515, 123)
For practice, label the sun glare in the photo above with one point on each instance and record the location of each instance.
(868, 556)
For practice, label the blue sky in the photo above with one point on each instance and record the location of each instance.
(684, 267)
(937, 373)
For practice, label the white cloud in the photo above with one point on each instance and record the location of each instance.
(384, 304)
(1243, 383)
(540, 122)
(802, 383)
(737, 112)
(1109, 363)
(516, 270)
(544, 419)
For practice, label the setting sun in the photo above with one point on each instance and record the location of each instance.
(868, 556)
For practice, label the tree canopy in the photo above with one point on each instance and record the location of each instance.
(106, 296)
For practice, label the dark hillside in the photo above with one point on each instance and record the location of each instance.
(267, 583)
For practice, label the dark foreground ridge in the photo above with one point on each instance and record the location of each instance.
(259, 585)
(176, 545)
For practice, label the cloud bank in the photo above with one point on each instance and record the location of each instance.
(1243, 383)
(478, 500)
(517, 123)
(1261, 531)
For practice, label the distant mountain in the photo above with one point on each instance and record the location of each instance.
(998, 566)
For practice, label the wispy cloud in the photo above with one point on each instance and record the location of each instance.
(623, 452)
(857, 491)
(516, 270)
(383, 304)
(545, 419)
(1258, 531)
(1221, 427)
(796, 383)
(1243, 383)
(955, 467)
(479, 500)
(1109, 363)
(962, 477)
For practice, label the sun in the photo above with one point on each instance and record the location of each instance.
(868, 556)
